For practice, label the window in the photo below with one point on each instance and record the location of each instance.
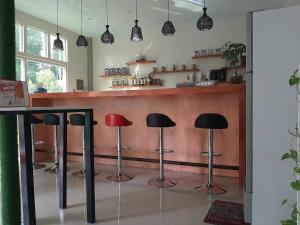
(55, 54)
(36, 61)
(36, 42)
(49, 76)
(19, 37)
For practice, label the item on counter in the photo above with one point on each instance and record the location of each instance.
(174, 67)
(154, 70)
(118, 71)
(194, 67)
(183, 67)
(112, 71)
(219, 75)
(210, 51)
(222, 75)
(149, 80)
(140, 58)
(134, 80)
(125, 70)
(163, 69)
(203, 52)
(218, 51)
(197, 53)
(213, 75)
(106, 71)
(236, 79)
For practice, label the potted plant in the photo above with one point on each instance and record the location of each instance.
(233, 53)
(294, 156)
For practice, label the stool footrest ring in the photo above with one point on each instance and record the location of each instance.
(166, 150)
(120, 178)
(81, 174)
(123, 148)
(214, 154)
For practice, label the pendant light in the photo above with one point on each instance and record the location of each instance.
(205, 22)
(58, 44)
(168, 28)
(81, 41)
(136, 32)
(107, 37)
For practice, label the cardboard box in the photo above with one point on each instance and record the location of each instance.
(13, 94)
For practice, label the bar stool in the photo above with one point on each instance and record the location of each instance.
(53, 120)
(115, 120)
(79, 120)
(161, 121)
(211, 122)
(34, 122)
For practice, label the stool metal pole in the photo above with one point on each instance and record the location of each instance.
(120, 176)
(54, 168)
(35, 165)
(119, 152)
(161, 152)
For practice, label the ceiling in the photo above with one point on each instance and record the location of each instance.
(151, 12)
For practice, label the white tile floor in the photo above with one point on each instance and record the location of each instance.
(130, 203)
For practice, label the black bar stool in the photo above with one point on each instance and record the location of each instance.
(211, 122)
(34, 122)
(161, 121)
(53, 120)
(79, 120)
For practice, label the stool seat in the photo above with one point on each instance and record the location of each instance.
(35, 120)
(211, 121)
(116, 120)
(79, 120)
(52, 119)
(159, 120)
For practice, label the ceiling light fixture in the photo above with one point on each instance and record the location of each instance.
(81, 41)
(107, 37)
(205, 23)
(136, 31)
(58, 44)
(168, 28)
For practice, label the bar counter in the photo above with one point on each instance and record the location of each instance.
(182, 105)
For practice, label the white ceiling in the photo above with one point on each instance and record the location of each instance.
(151, 12)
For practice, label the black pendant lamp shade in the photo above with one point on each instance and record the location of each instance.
(168, 28)
(205, 22)
(58, 44)
(136, 31)
(81, 40)
(107, 37)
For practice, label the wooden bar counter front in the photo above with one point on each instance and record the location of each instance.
(182, 105)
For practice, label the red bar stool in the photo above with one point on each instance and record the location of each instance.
(115, 120)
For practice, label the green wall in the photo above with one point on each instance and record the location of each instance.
(10, 190)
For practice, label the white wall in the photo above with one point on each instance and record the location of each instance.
(77, 66)
(167, 51)
(276, 55)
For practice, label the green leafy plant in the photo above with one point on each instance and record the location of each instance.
(293, 155)
(233, 52)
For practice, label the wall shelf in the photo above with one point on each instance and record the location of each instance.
(176, 71)
(208, 56)
(141, 62)
(116, 75)
(133, 86)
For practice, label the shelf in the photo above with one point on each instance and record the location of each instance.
(116, 75)
(141, 62)
(133, 86)
(235, 67)
(177, 71)
(208, 56)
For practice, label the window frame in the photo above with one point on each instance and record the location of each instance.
(24, 56)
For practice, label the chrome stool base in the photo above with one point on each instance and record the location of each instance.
(212, 189)
(162, 183)
(120, 178)
(81, 174)
(37, 166)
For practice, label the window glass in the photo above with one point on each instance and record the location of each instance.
(56, 54)
(36, 42)
(18, 69)
(19, 37)
(48, 76)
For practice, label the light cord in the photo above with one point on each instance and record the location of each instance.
(81, 18)
(168, 10)
(57, 17)
(136, 9)
(106, 13)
